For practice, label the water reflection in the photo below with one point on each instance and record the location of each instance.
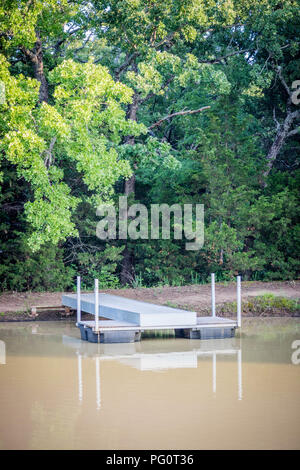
(59, 392)
(129, 354)
(2, 352)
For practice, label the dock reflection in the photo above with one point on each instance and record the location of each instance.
(2, 352)
(138, 356)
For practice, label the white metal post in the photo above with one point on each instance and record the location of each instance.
(96, 305)
(78, 300)
(239, 301)
(213, 296)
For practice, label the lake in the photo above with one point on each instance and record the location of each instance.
(57, 392)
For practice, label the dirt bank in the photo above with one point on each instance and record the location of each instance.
(17, 306)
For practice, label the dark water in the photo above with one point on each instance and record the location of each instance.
(57, 392)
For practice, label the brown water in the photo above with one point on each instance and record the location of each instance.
(57, 392)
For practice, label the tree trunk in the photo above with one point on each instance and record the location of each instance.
(283, 131)
(39, 74)
(129, 187)
(127, 270)
(36, 58)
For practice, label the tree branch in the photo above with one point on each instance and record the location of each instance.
(150, 95)
(219, 59)
(283, 131)
(126, 64)
(287, 89)
(275, 120)
(294, 131)
(48, 159)
(179, 113)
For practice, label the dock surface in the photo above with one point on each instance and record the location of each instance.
(136, 312)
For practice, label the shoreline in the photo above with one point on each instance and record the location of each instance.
(259, 299)
(72, 318)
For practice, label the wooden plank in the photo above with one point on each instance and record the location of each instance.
(48, 307)
(44, 308)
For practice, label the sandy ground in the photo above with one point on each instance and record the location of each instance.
(193, 297)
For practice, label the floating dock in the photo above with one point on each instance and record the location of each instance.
(127, 319)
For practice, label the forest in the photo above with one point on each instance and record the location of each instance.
(166, 102)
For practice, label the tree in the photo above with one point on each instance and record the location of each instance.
(167, 102)
(40, 140)
(152, 44)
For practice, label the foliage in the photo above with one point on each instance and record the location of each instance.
(112, 72)
(267, 304)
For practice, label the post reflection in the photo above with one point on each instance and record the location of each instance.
(80, 385)
(2, 352)
(134, 355)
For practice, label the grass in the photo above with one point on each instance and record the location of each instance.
(267, 304)
(17, 312)
(171, 304)
(274, 303)
(138, 281)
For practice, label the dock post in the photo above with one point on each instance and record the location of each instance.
(213, 295)
(78, 300)
(239, 301)
(96, 306)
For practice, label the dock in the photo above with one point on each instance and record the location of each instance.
(127, 319)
